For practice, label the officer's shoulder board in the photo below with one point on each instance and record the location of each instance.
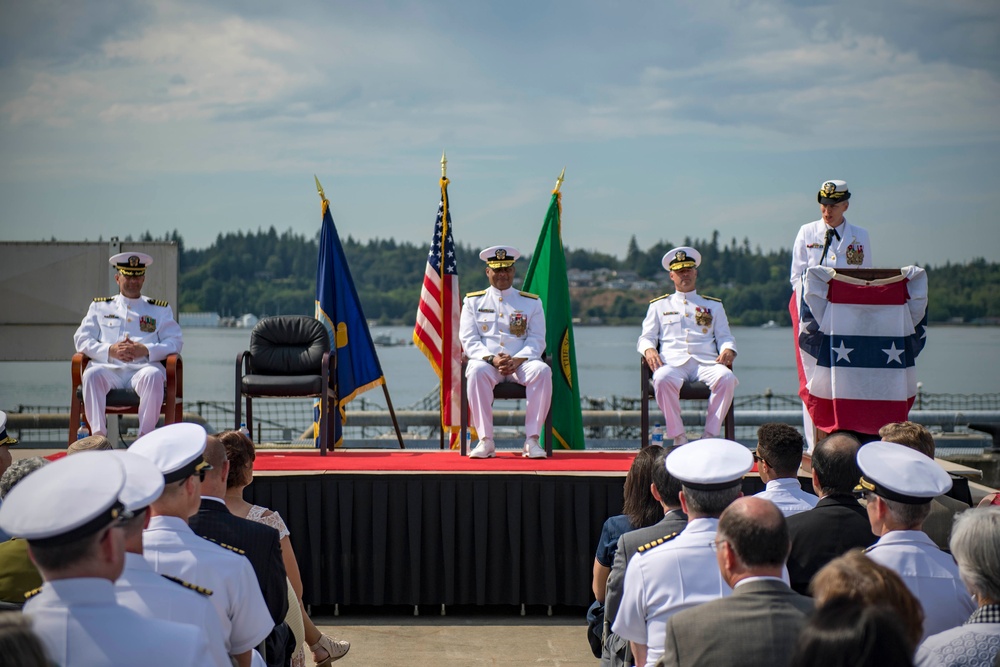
(529, 295)
(102, 299)
(657, 542)
(157, 302)
(711, 298)
(479, 293)
(663, 296)
(32, 593)
(187, 584)
(231, 548)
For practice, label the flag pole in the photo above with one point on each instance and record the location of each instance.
(559, 181)
(331, 429)
(444, 175)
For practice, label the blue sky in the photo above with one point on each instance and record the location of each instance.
(672, 119)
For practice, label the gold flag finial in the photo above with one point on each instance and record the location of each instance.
(444, 165)
(559, 181)
(319, 189)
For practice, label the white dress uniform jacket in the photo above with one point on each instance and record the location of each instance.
(495, 321)
(930, 574)
(851, 251)
(82, 625)
(112, 320)
(788, 495)
(152, 595)
(171, 547)
(665, 579)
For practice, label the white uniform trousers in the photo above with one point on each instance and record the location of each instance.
(667, 381)
(534, 374)
(99, 379)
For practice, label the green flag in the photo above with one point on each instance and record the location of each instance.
(546, 277)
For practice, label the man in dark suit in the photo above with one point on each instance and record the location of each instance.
(838, 523)
(666, 490)
(759, 623)
(258, 542)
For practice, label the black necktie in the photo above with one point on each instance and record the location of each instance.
(830, 233)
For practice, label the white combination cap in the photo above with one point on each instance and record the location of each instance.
(65, 501)
(143, 481)
(833, 192)
(176, 449)
(710, 464)
(131, 263)
(4, 438)
(896, 472)
(499, 256)
(681, 258)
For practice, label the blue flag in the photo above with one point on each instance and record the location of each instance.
(339, 309)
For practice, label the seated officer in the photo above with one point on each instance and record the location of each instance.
(686, 336)
(126, 336)
(503, 335)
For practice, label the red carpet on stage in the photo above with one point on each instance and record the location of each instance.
(439, 461)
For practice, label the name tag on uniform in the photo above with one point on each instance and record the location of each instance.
(486, 310)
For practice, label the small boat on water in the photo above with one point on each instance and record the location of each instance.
(387, 340)
(770, 324)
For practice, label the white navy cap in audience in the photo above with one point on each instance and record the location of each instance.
(67, 500)
(499, 256)
(710, 464)
(4, 438)
(681, 258)
(896, 472)
(176, 449)
(131, 263)
(143, 481)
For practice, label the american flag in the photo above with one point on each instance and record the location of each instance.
(436, 331)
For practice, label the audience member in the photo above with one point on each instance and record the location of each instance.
(938, 523)
(858, 577)
(18, 575)
(19, 645)
(140, 588)
(171, 547)
(670, 575)
(666, 490)
(95, 443)
(849, 633)
(838, 523)
(778, 456)
(760, 622)
(975, 543)
(241, 455)
(258, 542)
(899, 484)
(5, 458)
(70, 514)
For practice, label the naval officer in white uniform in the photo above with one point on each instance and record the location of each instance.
(680, 570)
(70, 513)
(503, 334)
(686, 336)
(830, 241)
(139, 587)
(126, 336)
(899, 485)
(171, 547)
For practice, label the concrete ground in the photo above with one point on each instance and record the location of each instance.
(455, 641)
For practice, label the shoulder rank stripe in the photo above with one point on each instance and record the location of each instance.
(657, 542)
(187, 584)
(663, 296)
(231, 548)
(102, 299)
(479, 293)
(529, 295)
(712, 298)
(32, 593)
(157, 302)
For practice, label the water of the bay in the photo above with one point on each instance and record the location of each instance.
(956, 360)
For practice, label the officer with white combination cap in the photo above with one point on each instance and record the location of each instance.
(503, 334)
(172, 548)
(70, 513)
(686, 336)
(139, 587)
(5, 458)
(126, 336)
(679, 570)
(899, 484)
